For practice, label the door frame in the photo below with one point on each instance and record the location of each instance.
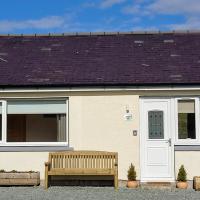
(142, 141)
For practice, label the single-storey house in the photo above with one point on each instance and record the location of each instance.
(137, 94)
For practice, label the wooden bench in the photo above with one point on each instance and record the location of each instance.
(80, 163)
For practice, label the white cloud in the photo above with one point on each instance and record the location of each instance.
(191, 7)
(190, 23)
(134, 9)
(43, 23)
(188, 9)
(110, 3)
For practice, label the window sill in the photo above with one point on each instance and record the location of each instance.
(37, 144)
(187, 142)
(34, 148)
(190, 147)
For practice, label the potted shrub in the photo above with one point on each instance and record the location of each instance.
(182, 178)
(132, 183)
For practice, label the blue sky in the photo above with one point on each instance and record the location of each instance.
(58, 16)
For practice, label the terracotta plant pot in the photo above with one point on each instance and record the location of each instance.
(182, 185)
(132, 184)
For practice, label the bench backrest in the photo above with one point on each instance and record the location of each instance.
(83, 159)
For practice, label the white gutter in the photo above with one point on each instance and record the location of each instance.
(103, 89)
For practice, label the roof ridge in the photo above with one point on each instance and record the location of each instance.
(106, 33)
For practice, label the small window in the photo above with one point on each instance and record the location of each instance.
(156, 129)
(186, 119)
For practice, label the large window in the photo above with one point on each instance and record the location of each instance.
(186, 119)
(0, 121)
(34, 121)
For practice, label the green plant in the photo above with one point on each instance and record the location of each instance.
(182, 175)
(2, 170)
(131, 173)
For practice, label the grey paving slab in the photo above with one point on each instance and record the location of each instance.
(95, 193)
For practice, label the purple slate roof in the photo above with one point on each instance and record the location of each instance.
(100, 60)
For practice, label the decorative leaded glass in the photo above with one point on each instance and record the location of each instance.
(156, 129)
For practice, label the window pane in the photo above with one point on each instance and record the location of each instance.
(36, 107)
(156, 130)
(36, 127)
(186, 119)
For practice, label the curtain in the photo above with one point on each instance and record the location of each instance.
(61, 121)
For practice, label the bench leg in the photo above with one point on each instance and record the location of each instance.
(46, 180)
(116, 182)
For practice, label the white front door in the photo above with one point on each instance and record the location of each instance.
(156, 140)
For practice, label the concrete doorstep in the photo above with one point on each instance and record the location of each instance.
(158, 185)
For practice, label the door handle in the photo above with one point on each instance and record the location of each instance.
(169, 141)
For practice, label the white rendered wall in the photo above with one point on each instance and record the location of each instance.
(191, 162)
(23, 161)
(97, 123)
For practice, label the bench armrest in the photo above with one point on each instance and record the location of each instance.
(47, 165)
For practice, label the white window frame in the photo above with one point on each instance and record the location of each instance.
(3, 121)
(197, 120)
(4, 127)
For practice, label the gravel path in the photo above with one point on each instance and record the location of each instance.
(94, 193)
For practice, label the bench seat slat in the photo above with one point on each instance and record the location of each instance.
(81, 172)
